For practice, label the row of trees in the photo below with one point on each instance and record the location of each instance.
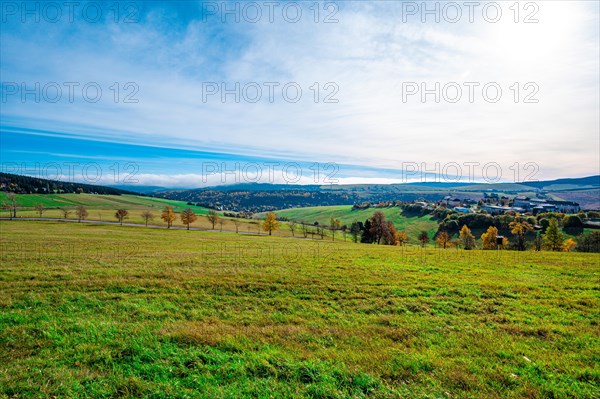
(377, 230)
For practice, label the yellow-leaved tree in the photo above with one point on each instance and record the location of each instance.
(569, 244)
(519, 228)
(270, 223)
(466, 238)
(401, 238)
(488, 239)
(443, 239)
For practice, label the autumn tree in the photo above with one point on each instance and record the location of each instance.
(65, 212)
(188, 217)
(423, 238)
(443, 239)
(569, 244)
(270, 223)
(221, 223)
(40, 209)
(466, 238)
(213, 218)
(401, 237)
(390, 234)
(304, 229)
(519, 228)
(236, 223)
(121, 214)
(168, 215)
(147, 216)
(81, 213)
(553, 238)
(379, 226)
(488, 239)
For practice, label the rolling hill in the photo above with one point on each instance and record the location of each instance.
(412, 225)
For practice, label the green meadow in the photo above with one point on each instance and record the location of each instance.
(100, 202)
(323, 214)
(102, 311)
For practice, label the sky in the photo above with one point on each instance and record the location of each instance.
(190, 93)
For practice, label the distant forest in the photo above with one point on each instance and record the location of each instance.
(32, 185)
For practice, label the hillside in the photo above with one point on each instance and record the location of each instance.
(412, 225)
(96, 201)
(20, 184)
(269, 197)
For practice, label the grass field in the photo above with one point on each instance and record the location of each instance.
(100, 311)
(100, 202)
(323, 214)
(103, 207)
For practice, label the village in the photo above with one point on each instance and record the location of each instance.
(492, 204)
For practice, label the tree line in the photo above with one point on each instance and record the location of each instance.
(378, 230)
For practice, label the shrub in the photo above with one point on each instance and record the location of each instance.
(572, 221)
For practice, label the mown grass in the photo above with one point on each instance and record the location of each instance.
(106, 311)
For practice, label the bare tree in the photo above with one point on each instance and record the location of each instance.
(237, 223)
(321, 231)
(40, 209)
(292, 226)
(147, 216)
(81, 213)
(334, 225)
(304, 229)
(11, 206)
(65, 212)
(221, 223)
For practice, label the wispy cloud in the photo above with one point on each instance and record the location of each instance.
(369, 54)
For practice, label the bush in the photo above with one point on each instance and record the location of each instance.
(572, 221)
(589, 242)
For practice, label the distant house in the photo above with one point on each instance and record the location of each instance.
(543, 208)
(539, 205)
(452, 202)
(522, 201)
(499, 210)
(461, 209)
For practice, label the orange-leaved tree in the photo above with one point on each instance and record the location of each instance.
(168, 215)
(188, 217)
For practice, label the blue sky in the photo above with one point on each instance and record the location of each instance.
(166, 54)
